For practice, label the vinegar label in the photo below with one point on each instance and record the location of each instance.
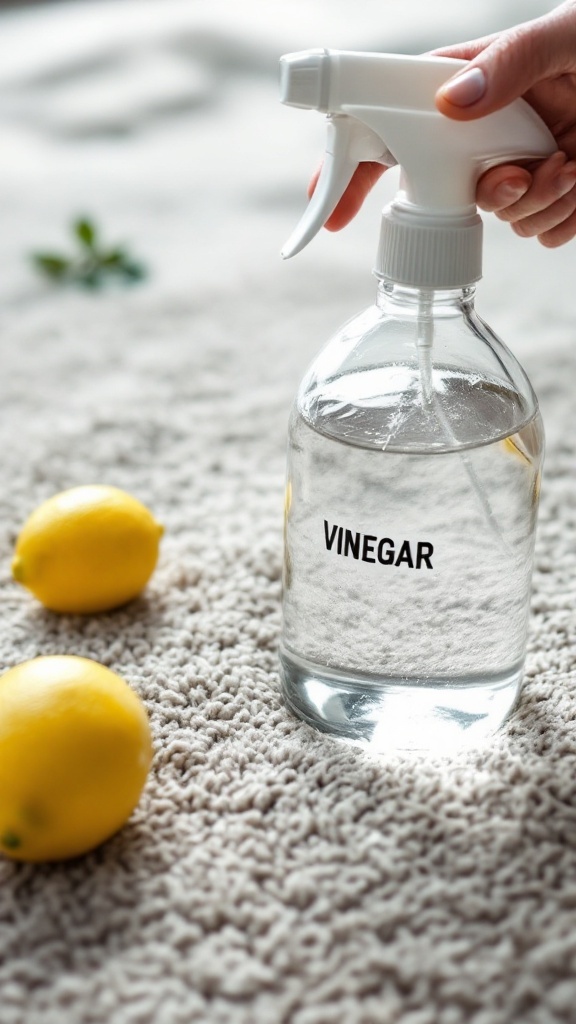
(387, 549)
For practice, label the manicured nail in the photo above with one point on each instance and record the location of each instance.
(466, 88)
(510, 192)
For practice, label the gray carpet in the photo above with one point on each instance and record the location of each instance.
(269, 875)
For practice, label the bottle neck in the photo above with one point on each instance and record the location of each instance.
(402, 300)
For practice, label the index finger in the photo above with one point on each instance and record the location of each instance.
(363, 180)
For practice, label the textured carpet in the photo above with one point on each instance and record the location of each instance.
(269, 874)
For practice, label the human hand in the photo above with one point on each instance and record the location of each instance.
(535, 60)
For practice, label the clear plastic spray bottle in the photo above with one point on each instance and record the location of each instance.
(415, 442)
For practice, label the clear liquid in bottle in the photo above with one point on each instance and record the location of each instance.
(410, 524)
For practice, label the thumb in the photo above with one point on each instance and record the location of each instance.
(504, 67)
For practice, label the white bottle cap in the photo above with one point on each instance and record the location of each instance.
(421, 250)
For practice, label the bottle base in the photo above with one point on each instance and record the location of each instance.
(436, 715)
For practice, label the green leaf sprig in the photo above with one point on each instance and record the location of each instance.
(93, 264)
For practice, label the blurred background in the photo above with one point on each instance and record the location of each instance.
(160, 118)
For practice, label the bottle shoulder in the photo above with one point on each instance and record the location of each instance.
(416, 382)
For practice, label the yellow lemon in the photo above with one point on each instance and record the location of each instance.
(88, 549)
(75, 750)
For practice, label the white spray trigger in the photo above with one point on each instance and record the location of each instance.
(381, 104)
(349, 142)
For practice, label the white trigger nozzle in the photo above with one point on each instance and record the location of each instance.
(349, 143)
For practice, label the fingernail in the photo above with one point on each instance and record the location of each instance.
(466, 88)
(565, 181)
(510, 191)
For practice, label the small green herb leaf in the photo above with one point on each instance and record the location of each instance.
(112, 258)
(51, 264)
(85, 231)
(133, 271)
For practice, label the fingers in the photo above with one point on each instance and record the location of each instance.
(506, 66)
(540, 204)
(562, 233)
(466, 51)
(502, 187)
(365, 177)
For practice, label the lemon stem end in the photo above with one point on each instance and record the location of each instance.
(18, 569)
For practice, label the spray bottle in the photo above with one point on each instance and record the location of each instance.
(415, 441)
